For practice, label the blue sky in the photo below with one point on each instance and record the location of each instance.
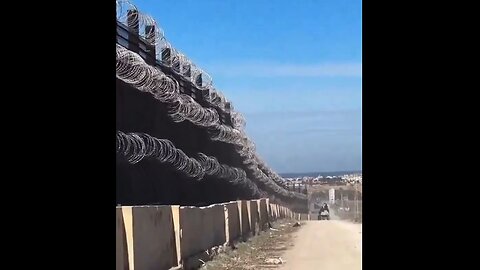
(292, 68)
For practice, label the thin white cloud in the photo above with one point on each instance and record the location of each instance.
(287, 70)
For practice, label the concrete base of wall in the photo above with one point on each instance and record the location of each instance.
(263, 214)
(121, 243)
(152, 232)
(168, 237)
(232, 217)
(244, 219)
(252, 207)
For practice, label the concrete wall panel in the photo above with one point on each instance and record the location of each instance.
(201, 228)
(234, 228)
(253, 216)
(150, 237)
(244, 218)
(121, 242)
(263, 213)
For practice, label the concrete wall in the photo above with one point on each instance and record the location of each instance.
(273, 211)
(252, 207)
(150, 237)
(192, 226)
(233, 221)
(262, 213)
(176, 227)
(217, 230)
(244, 218)
(201, 228)
(121, 243)
(161, 237)
(269, 210)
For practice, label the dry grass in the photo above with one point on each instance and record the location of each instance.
(263, 251)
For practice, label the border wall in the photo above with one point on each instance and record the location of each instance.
(174, 237)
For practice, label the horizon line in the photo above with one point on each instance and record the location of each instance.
(360, 170)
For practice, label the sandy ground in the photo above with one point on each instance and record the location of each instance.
(261, 252)
(325, 245)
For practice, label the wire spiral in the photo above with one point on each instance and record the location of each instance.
(132, 69)
(138, 146)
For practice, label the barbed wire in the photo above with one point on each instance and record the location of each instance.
(214, 168)
(135, 147)
(238, 120)
(129, 15)
(138, 146)
(132, 69)
(185, 107)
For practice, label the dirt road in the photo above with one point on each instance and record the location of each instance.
(326, 245)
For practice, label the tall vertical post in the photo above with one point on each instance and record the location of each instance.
(198, 80)
(150, 38)
(356, 202)
(132, 23)
(341, 198)
(167, 56)
(187, 71)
